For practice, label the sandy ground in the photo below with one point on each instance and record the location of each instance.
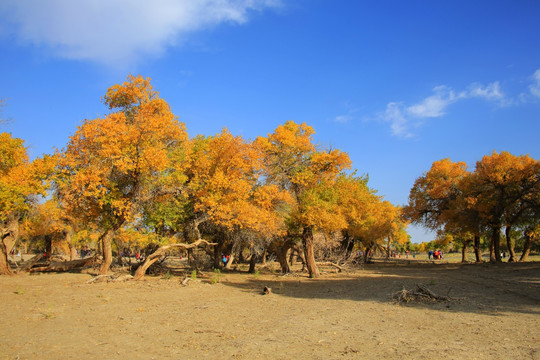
(495, 314)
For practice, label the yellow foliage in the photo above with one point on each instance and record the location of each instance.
(19, 178)
(110, 162)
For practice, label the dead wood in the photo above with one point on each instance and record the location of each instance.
(329, 263)
(28, 264)
(156, 255)
(118, 277)
(267, 290)
(420, 293)
(61, 266)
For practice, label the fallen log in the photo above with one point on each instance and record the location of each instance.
(152, 258)
(61, 266)
(328, 263)
(28, 264)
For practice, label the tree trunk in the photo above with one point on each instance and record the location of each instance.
(526, 246)
(264, 255)
(241, 256)
(464, 251)
(190, 257)
(72, 252)
(252, 262)
(307, 242)
(510, 244)
(299, 254)
(232, 256)
(152, 258)
(48, 246)
(4, 264)
(282, 257)
(347, 244)
(8, 237)
(477, 250)
(367, 252)
(495, 245)
(217, 255)
(72, 249)
(106, 246)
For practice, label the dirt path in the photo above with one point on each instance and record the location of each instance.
(341, 316)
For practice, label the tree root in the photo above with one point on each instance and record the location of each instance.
(420, 294)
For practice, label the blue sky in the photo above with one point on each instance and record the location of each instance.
(396, 84)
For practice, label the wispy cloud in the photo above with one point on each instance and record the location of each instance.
(119, 31)
(490, 92)
(343, 118)
(403, 118)
(434, 105)
(534, 88)
(350, 115)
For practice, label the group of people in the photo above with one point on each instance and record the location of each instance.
(436, 255)
(225, 259)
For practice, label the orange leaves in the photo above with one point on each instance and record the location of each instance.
(445, 176)
(135, 91)
(12, 153)
(223, 175)
(19, 178)
(506, 185)
(290, 137)
(110, 162)
(293, 163)
(501, 189)
(504, 168)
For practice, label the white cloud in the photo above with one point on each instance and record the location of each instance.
(535, 87)
(398, 122)
(434, 105)
(490, 92)
(118, 31)
(403, 118)
(343, 118)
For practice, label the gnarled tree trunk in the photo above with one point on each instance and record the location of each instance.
(307, 242)
(252, 261)
(477, 250)
(4, 264)
(8, 236)
(526, 246)
(106, 246)
(281, 252)
(495, 244)
(510, 244)
(152, 258)
(464, 251)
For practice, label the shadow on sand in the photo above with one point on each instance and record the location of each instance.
(494, 289)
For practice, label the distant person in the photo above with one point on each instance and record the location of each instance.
(430, 254)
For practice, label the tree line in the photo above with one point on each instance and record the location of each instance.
(466, 207)
(136, 175)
